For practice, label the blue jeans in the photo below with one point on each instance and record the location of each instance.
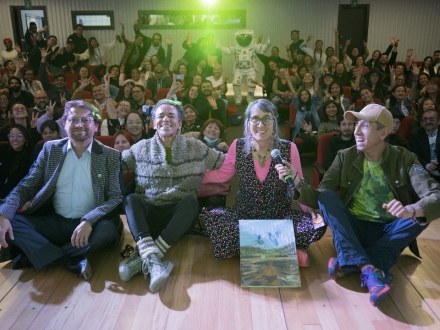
(300, 116)
(365, 242)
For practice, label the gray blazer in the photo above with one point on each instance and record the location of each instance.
(40, 184)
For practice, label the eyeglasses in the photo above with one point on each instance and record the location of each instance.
(426, 119)
(84, 121)
(266, 120)
(131, 122)
(18, 136)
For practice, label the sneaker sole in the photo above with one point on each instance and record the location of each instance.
(380, 296)
(156, 287)
(87, 273)
(331, 270)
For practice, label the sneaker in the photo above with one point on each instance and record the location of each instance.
(159, 271)
(335, 272)
(130, 267)
(374, 279)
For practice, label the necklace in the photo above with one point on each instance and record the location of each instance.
(261, 158)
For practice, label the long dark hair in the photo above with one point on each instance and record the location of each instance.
(306, 104)
(90, 47)
(339, 113)
(21, 165)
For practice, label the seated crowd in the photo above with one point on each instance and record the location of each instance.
(62, 191)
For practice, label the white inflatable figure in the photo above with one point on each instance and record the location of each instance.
(245, 62)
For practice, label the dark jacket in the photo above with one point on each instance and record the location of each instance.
(399, 165)
(419, 144)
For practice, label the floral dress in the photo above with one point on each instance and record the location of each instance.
(257, 200)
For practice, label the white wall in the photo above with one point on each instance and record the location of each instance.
(416, 23)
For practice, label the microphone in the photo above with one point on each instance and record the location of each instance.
(276, 156)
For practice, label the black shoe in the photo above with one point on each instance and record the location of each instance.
(21, 261)
(118, 38)
(80, 268)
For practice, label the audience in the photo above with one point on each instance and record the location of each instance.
(34, 105)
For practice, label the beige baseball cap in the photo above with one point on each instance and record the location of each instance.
(372, 112)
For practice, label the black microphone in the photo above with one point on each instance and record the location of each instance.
(276, 156)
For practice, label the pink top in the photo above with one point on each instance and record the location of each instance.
(227, 170)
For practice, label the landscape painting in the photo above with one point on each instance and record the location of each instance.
(268, 254)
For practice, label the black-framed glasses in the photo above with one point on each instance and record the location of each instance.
(18, 136)
(426, 119)
(266, 120)
(84, 120)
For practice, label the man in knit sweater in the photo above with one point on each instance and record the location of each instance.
(168, 172)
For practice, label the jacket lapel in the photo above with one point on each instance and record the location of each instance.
(97, 170)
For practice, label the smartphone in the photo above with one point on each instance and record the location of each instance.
(146, 111)
(180, 77)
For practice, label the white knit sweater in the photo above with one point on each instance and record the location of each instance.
(161, 183)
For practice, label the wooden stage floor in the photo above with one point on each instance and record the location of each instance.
(205, 293)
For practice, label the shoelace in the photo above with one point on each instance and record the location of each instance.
(365, 278)
(134, 265)
(155, 267)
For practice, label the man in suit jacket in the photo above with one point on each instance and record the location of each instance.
(74, 190)
(425, 143)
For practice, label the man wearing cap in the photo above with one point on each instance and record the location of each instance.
(425, 143)
(371, 218)
(62, 59)
(393, 138)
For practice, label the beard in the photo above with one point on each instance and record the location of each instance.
(15, 89)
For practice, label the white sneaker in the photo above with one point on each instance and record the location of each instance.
(130, 267)
(159, 271)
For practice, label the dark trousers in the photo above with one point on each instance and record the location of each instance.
(45, 238)
(365, 242)
(170, 221)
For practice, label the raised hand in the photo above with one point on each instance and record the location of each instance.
(212, 102)
(189, 40)
(105, 62)
(415, 69)
(392, 70)
(17, 48)
(85, 83)
(286, 45)
(392, 41)
(306, 126)
(122, 25)
(34, 120)
(260, 38)
(365, 44)
(310, 37)
(409, 52)
(335, 30)
(168, 40)
(50, 107)
(44, 52)
(63, 99)
(413, 58)
(348, 42)
(175, 86)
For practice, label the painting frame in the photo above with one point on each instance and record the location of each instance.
(190, 19)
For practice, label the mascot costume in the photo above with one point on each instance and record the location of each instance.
(245, 62)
